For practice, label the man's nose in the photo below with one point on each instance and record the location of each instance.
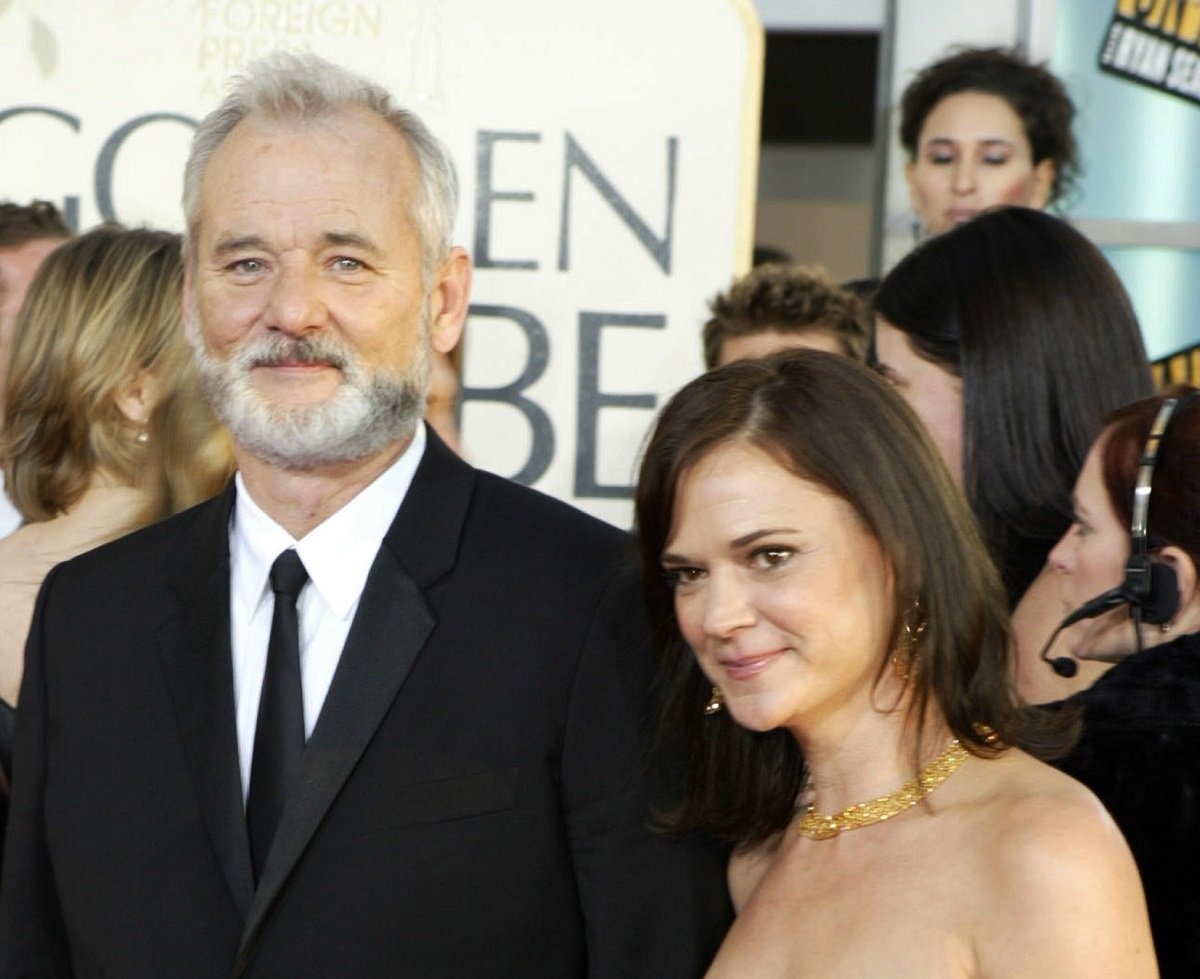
(297, 304)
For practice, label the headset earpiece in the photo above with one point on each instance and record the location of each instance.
(1163, 601)
(1150, 587)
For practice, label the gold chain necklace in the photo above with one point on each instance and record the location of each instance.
(817, 826)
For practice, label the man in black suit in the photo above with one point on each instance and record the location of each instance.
(371, 712)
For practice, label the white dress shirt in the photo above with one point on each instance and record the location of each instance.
(338, 555)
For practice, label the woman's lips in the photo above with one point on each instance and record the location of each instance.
(745, 667)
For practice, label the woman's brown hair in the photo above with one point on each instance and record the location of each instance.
(832, 421)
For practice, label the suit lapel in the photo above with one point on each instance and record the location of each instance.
(194, 648)
(389, 630)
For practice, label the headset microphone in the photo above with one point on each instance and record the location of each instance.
(1150, 588)
(1099, 605)
(1066, 666)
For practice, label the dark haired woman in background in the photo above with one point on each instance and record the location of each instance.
(981, 128)
(1012, 337)
(1140, 748)
(835, 661)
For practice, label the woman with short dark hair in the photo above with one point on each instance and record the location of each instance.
(834, 661)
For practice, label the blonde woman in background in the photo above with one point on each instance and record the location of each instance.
(105, 427)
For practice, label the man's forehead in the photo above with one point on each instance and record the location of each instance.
(349, 153)
(351, 125)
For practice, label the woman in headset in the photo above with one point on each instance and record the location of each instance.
(1011, 337)
(833, 642)
(1140, 746)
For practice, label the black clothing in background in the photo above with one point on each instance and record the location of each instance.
(1140, 753)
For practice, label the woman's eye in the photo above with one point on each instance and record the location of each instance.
(681, 576)
(772, 557)
(996, 160)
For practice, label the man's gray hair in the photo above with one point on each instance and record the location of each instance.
(292, 85)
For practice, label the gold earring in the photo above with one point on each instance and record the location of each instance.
(716, 703)
(904, 656)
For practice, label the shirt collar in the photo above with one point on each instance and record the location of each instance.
(338, 553)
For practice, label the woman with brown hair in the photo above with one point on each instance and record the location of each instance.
(834, 644)
(104, 426)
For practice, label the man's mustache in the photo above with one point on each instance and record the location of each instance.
(273, 351)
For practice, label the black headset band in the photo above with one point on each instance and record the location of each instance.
(1170, 409)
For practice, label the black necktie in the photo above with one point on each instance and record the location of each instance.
(279, 735)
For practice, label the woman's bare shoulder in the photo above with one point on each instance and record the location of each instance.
(1065, 895)
(1026, 798)
(1031, 811)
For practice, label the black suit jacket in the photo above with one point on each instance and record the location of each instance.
(473, 799)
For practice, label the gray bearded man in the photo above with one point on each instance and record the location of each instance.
(370, 712)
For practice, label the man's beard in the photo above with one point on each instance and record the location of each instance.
(367, 412)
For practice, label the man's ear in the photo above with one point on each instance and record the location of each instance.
(449, 300)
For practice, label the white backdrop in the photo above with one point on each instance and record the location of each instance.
(607, 156)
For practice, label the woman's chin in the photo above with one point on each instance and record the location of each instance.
(754, 716)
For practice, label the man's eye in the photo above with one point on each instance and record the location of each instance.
(247, 265)
(345, 264)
